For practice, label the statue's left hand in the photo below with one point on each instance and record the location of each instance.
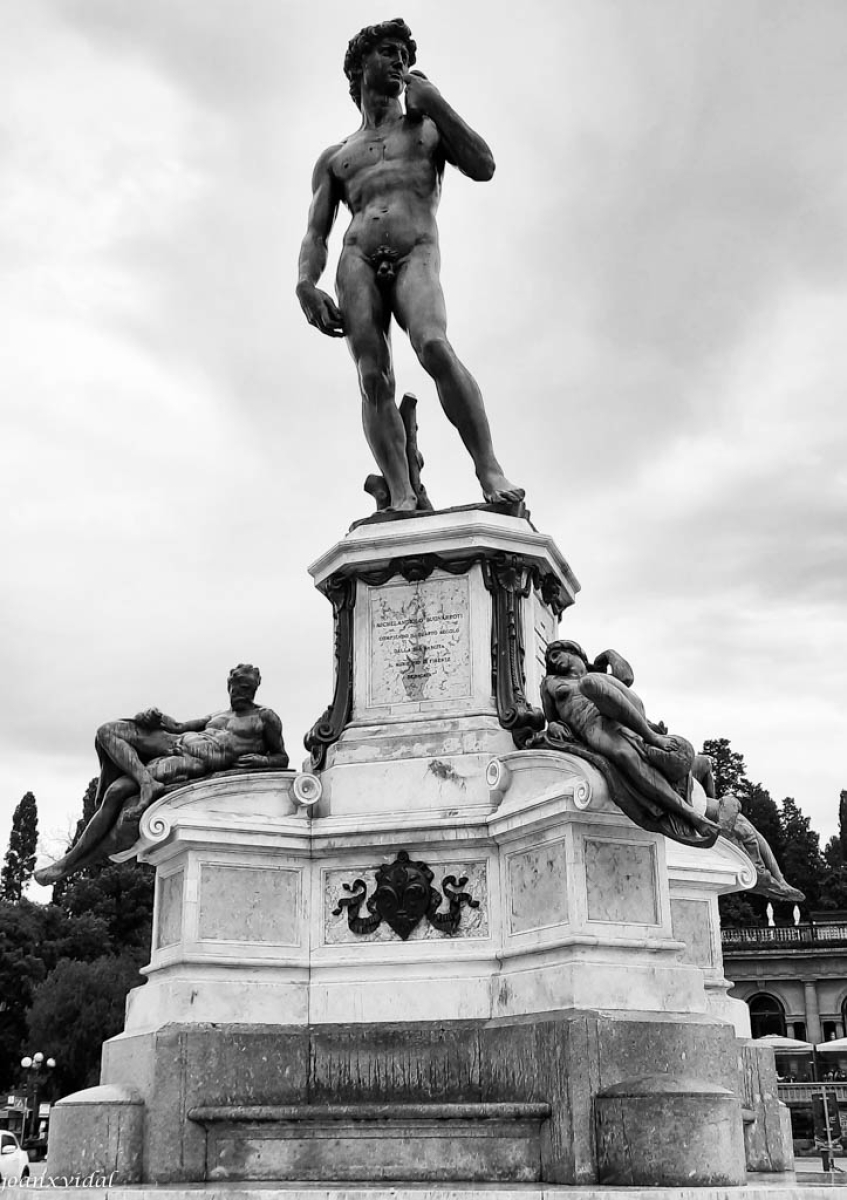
(420, 94)
(252, 760)
(150, 718)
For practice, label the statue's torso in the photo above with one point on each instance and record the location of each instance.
(243, 733)
(390, 179)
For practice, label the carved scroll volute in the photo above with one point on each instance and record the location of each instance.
(509, 579)
(340, 590)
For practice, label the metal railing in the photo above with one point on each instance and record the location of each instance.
(784, 935)
(801, 1093)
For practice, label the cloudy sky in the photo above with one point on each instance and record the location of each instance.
(651, 293)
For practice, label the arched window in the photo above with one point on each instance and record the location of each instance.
(766, 1015)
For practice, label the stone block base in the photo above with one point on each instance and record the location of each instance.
(404, 1142)
(670, 1132)
(97, 1132)
(768, 1146)
(563, 1060)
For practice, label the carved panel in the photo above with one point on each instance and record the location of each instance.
(419, 635)
(692, 924)
(620, 881)
(538, 888)
(249, 904)
(361, 882)
(169, 918)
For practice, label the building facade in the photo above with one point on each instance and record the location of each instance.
(792, 978)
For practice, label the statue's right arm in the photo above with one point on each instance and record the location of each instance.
(320, 309)
(195, 726)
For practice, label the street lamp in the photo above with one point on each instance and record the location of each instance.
(37, 1068)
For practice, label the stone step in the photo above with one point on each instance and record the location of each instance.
(373, 1142)
(771, 1187)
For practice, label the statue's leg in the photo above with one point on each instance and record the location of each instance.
(120, 741)
(644, 777)
(366, 318)
(95, 841)
(611, 698)
(175, 768)
(419, 309)
(702, 772)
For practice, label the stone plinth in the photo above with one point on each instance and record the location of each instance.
(260, 992)
(434, 952)
(441, 625)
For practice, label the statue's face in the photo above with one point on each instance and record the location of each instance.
(564, 662)
(384, 66)
(242, 689)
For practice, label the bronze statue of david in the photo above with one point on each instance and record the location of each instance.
(389, 174)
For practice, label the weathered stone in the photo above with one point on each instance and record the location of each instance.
(669, 1131)
(765, 1145)
(431, 1142)
(99, 1132)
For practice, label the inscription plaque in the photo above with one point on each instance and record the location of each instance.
(420, 641)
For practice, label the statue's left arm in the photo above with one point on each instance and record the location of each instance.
(614, 701)
(462, 146)
(274, 745)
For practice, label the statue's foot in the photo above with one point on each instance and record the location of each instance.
(405, 504)
(784, 891)
(704, 826)
(45, 876)
(149, 791)
(497, 490)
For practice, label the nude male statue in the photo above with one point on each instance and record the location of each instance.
(604, 714)
(143, 756)
(389, 174)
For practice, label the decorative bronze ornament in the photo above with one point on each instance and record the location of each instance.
(341, 591)
(404, 895)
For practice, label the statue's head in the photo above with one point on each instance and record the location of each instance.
(557, 652)
(362, 44)
(243, 682)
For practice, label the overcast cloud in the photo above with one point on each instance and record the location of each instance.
(651, 293)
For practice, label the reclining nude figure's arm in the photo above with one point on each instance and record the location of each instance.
(276, 755)
(615, 701)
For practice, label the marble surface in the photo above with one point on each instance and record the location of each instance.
(620, 882)
(249, 904)
(538, 892)
(169, 909)
(453, 534)
(419, 641)
(692, 925)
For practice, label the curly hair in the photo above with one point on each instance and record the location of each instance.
(245, 669)
(364, 42)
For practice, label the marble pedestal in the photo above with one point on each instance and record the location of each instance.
(285, 1032)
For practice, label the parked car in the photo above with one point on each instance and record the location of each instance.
(14, 1162)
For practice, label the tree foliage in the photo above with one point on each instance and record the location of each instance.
(74, 1010)
(796, 846)
(66, 967)
(19, 863)
(802, 861)
(727, 765)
